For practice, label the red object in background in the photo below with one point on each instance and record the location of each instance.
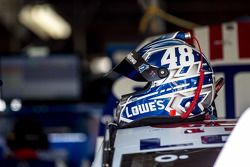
(25, 154)
(226, 42)
(243, 37)
(216, 42)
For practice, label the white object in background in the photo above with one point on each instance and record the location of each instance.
(100, 65)
(2, 105)
(44, 21)
(230, 42)
(16, 104)
(236, 150)
(202, 34)
(98, 152)
(220, 99)
(241, 95)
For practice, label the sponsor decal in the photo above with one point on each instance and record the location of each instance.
(144, 108)
(169, 158)
(131, 58)
(214, 139)
(143, 67)
(152, 74)
(155, 143)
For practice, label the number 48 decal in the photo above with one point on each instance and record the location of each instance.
(178, 56)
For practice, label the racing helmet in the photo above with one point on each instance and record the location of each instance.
(180, 82)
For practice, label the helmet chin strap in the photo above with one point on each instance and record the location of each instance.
(199, 87)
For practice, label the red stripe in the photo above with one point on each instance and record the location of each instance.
(215, 35)
(244, 36)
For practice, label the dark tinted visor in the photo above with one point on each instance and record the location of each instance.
(137, 69)
(126, 69)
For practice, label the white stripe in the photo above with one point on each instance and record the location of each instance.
(230, 42)
(202, 34)
(182, 91)
(125, 119)
(181, 86)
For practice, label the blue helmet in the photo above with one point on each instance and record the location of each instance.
(180, 82)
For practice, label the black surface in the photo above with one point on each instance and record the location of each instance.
(196, 158)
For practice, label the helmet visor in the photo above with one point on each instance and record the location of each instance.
(137, 69)
(126, 69)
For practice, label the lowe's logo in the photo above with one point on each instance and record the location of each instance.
(144, 108)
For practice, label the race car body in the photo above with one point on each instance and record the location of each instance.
(174, 145)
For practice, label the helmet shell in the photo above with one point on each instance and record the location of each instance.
(166, 96)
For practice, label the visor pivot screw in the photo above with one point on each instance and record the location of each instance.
(163, 72)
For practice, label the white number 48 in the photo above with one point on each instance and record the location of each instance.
(185, 57)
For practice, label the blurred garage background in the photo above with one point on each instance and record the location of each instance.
(54, 54)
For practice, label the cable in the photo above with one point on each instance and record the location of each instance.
(1, 82)
(199, 87)
(153, 10)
